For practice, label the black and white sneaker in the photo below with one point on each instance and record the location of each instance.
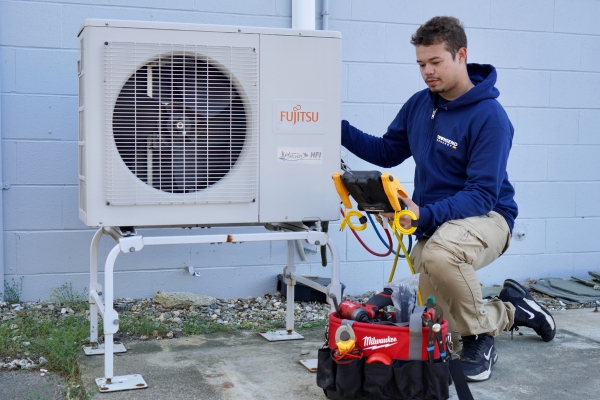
(478, 356)
(527, 311)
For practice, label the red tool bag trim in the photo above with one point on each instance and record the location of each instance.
(392, 340)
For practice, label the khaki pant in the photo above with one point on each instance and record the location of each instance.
(447, 262)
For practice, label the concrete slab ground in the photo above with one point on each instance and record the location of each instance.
(243, 365)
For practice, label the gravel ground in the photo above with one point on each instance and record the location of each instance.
(263, 311)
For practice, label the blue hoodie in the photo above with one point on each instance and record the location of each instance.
(460, 150)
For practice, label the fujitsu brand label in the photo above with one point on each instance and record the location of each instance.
(299, 116)
(372, 343)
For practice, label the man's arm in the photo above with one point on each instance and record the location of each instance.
(386, 152)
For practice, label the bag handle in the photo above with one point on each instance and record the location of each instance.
(415, 325)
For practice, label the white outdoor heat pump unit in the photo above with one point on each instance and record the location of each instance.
(183, 124)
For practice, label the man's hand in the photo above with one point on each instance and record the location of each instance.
(405, 220)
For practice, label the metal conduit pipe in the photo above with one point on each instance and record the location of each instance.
(303, 14)
(2, 183)
(325, 15)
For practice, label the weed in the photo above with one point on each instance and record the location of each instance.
(12, 291)
(66, 295)
(132, 324)
(200, 326)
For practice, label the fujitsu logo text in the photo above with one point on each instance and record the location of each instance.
(374, 343)
(296, 115)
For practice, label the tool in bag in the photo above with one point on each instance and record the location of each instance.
(367, 360)
(358, 312)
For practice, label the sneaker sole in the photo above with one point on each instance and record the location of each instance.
(485, 375)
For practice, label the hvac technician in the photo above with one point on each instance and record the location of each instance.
(460, 138)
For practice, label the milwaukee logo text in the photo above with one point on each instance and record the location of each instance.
(297, 115)
(372, 343)
(447, 142)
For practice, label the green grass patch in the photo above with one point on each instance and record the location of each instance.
(60, 337)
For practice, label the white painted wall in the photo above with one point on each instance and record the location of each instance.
(548, 58)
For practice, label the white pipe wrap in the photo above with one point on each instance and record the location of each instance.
(303, 14)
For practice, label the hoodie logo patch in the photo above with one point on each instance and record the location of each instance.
(447, 142)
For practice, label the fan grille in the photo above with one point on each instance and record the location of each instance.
(181, 123)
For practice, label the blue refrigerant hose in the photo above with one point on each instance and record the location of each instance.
(383, 241)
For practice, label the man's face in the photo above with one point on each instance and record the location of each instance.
(439, 70)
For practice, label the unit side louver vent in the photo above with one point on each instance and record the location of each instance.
(182, 119)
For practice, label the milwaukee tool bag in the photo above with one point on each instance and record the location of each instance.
(389, 362)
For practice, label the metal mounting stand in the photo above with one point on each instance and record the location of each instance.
(128, 242)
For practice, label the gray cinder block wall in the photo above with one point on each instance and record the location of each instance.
(548, 58)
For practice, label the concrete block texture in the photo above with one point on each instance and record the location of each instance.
(46, 71)
(582, 263)
(472, 13)
(584, 239)
(172, 4)
(361, 277)
(7, 69)
(547, 57)
(589, 123)
(528, 163)
(73, 16)
(587, 199)
(548, 126)
(575, 90)
(532, 15)
(256, 7)
(32, 117)
(528, 237)
(54, 252)
(406, 12)
(366, 117)
(362, 41)
(29, 24)
(33, 208)
(590, 53)
(524, 88)
(398, 48)
(524, 267)
(573, 163)
(55, 162)
(577, 16)
(524, 49)
(382, 83)
(545, 199)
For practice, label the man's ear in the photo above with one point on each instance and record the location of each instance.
(462, 54)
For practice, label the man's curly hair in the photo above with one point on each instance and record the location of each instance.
(447, 30)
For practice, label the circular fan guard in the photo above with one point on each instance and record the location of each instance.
(179, 124)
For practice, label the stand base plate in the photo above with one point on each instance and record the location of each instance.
(277, 336)
(118, 383)
(90, 351)
(311, 364)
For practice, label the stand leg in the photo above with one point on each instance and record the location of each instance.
(112, 383)
(289, 270)
(335, 287)
(94, 286)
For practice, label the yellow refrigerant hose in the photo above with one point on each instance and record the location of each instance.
(399, 231)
